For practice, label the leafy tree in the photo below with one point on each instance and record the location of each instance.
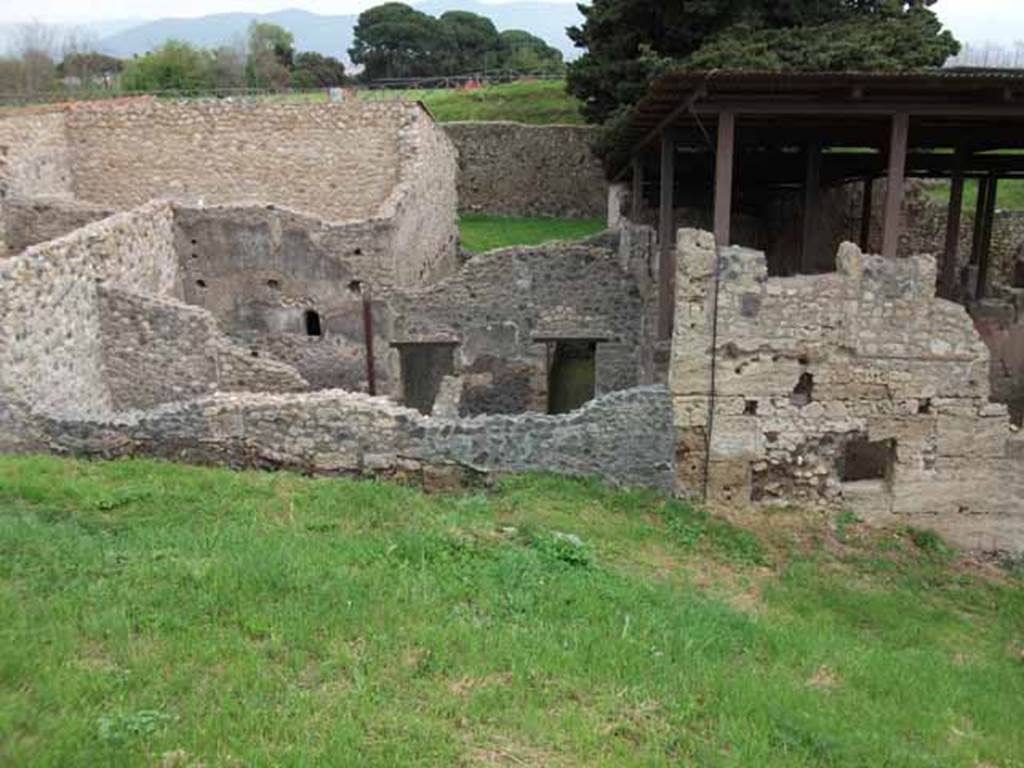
(89, 68)
(312, 70)
(524, 52)
(394, 40)
(174, 66)
(629, 40)
(228, 67)
(271, 53)
(914, 42)
(469, 42)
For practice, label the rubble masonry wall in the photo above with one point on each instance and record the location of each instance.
(527, 170)
(33, 159)
(806, 366)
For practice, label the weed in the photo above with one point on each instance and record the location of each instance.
(844, 520)
(146, 722)
(694, 528)
(930, 543)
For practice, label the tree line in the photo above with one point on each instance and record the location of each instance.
(396, 41)
(390, 41)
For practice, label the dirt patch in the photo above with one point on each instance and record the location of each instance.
(501, 750)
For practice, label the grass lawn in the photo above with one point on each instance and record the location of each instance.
(1009, 194)
(484, 232)
(539, 102)
(152, 614)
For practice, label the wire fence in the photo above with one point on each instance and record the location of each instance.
(387, 89)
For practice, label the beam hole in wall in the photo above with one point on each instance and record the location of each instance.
(863, 459)
(750, 408)
(924, 408)
(274, 285)
(201, 283)
(803, 392)
(355, 286)
(312, 321)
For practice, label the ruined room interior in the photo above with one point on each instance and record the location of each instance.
(239, 316)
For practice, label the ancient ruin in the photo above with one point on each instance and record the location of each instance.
(280, 285)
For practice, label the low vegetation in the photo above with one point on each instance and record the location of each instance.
(153, 614)
(536, 102)
(1009, 194)
(483, 232)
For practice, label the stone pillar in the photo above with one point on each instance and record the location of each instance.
(618, 194)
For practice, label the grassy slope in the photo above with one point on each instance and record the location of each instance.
(150, 612)
(484, 232)
(539, 102)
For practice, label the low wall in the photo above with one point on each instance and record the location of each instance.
(50, 335)
(624, 438)
(158, 351)
(858, 388)
(526, 170)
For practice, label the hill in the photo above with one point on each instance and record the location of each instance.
(332, 35)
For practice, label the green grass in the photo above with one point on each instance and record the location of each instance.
(152, 614)
(1009, 194)
(538, 102)
(485, 232)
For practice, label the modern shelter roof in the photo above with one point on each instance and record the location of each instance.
(979, 107)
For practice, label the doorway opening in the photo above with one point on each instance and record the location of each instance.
(572, 374)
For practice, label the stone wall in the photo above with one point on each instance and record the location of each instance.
(623, 438)
(526, 170)
(822, 378)
(33, 158)
(50, 337)
(157, 350)
(339, 162)
(423, 207)
(501, 302)
(30, 221)
(259, 270)
(1001, 325)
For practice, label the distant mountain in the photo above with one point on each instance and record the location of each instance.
(332, 35)
(88, 33)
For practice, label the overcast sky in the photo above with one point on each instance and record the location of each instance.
(974, 21)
